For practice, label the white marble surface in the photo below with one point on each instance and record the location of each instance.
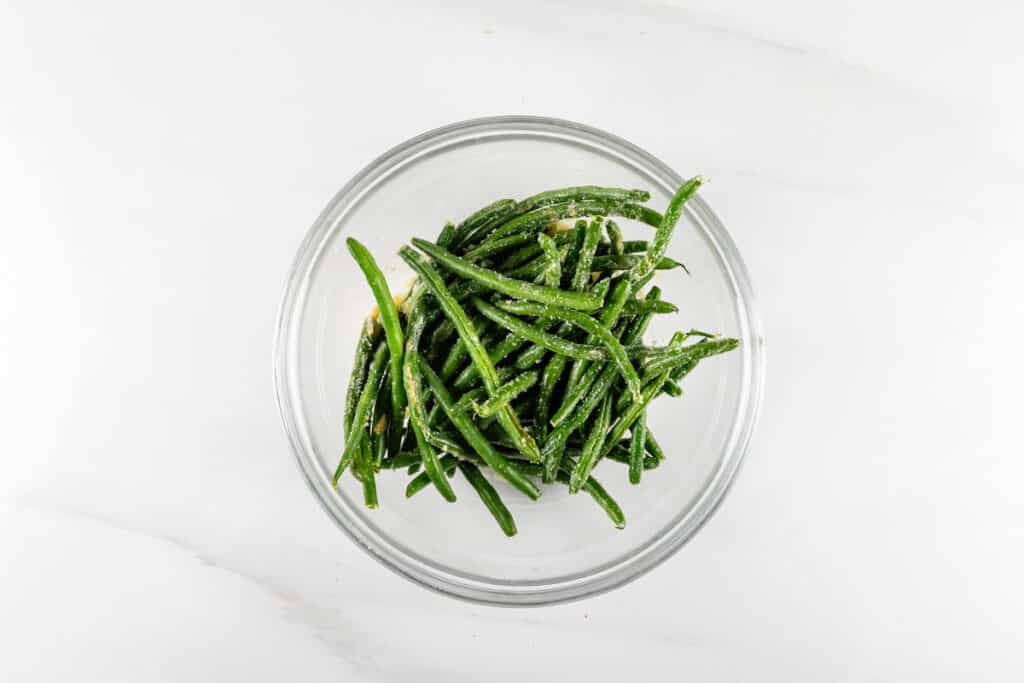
(159, 165)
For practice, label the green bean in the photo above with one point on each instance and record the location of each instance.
(448, 463)
(581, 193)
(415, 394)
(388, 311)
(532, 355)
(443, 331)
(594, 489)
(471, 432)
(576, 391)
(453, 361)
(637, 448)
(511, 343)
(360, 365)
(466, 401)
(640, 283)
(553, 270)
(591, 237)
(487, 249)
(592, 446)
(634, 246)
(525, 254)
(506, 285)
(476, 226)
(681, 370)
(531, 269)
(489, 496)
(554, 443)
(446, 235)
(552, 373)
(506, 392)
(638, 307)
(650, 462)
(537, 335)
(626, 418)
(507, 418)
(403, 459)
(663, 234)
(618, 246)
(615, 351)
(380, 419)
(363, 469)
(671, 388)
(533, 221)
(445, 443)
(652, 446)
(361, 415)
(609, 315)
(671, 359)
(613, 262)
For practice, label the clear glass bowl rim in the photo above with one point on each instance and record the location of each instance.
(481, 589)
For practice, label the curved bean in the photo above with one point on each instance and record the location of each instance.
(388, 312)
(491, 500)
(663, 234)
(361, 414)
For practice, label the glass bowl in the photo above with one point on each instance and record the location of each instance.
(566, 547)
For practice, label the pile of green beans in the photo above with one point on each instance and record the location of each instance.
(518, 350)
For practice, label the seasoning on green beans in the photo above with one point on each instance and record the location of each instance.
(449, 377)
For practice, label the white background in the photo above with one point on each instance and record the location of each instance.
(159, 166)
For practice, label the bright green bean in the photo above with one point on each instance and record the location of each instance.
(506, 392)
(553, 270)
(626, 418)
(488, 249)
(618, 246)
(363, 470)
(637, 448)
(476, 226)
(491, 500)
(415, 395)
(360, 365)
(639, 307)
(448, 463)
(591, 237)
(388, 311)
(581, 193)
(593, 488)
(592, 446)
(653, 447)
(361, 415)
(506, 285)
(446, 235)
(685, 354)
(539, 218)
(663, 234)
(671, 388)
(613, 262)
(620, 456)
